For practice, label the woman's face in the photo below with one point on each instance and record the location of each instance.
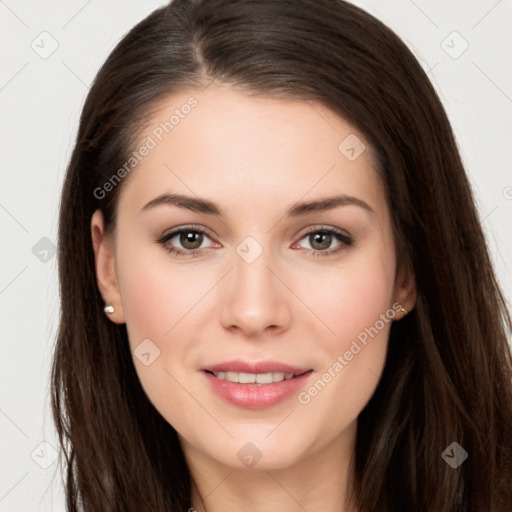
(287, 266)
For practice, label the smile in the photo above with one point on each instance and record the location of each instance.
(256, 389)
(253, 378)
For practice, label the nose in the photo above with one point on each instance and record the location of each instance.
(255, 300)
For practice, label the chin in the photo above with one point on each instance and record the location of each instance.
(255, 451)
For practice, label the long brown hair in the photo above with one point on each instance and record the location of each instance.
(448, 374)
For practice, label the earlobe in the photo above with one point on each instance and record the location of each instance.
(405, 289)
(105, 266)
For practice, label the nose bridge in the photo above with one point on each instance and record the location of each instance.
(254, 298)
(253, 275)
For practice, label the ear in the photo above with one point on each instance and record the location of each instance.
(405, 288)
(106, 277)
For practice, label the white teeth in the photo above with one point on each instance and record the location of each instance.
(232, 376)
(251, 378)
(266, 378)
(246, 378)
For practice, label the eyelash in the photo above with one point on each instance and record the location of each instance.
(346, 241)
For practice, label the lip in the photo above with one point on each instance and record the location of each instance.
(256, 396)
(254, 367)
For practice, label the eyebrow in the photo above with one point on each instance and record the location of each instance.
(298, 209)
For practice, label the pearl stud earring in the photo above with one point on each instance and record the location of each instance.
(108, 309)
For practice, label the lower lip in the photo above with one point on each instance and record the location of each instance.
(256, 396)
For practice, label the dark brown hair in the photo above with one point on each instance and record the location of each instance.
(448, 373)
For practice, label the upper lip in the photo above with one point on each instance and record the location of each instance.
(255, 367)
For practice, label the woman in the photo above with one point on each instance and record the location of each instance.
(366, 371)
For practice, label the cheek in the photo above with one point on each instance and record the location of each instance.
(155, 295)
(358, 295)
(357, 305)
(162, 302)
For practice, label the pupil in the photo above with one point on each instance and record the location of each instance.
(190, 238)
(327, 238)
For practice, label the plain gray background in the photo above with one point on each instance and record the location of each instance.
(464, 45)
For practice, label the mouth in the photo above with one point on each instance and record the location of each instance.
(255, 385)
(255, 378)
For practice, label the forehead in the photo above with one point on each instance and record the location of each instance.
(253, 151)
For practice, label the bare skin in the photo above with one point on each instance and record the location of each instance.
(256, 157)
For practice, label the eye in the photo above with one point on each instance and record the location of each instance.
(190, 238)
(320, 239)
